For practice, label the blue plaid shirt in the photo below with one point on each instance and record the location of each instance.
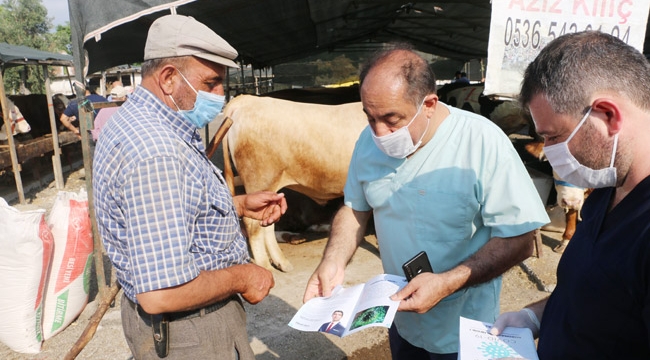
(163, 210)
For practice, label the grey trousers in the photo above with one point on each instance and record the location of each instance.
(219, 335)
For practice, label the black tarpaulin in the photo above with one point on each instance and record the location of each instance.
(271, 32)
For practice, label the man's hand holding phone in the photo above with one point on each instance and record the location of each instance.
(417, 265)
(420, 294)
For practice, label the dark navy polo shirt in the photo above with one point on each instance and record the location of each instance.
(600, 308)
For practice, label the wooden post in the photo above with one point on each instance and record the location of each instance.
(243, 77)
(12, 144)
(102, 84)
(86, 117)
(56, 158)
(218, 136)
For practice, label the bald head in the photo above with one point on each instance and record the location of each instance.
(399, 70)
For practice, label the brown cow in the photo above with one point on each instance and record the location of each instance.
(301, 146)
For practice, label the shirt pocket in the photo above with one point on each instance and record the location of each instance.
(217, 225)
(443, 216)
(219, 198)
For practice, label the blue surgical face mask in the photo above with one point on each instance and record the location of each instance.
(206, 107)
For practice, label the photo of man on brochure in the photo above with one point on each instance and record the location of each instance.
(334, 327)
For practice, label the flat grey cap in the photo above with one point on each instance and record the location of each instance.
(178, 35)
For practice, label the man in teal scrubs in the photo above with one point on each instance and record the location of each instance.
(436, 179)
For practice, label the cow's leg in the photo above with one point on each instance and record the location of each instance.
(274, 252)
(264, 247)
(569, 230)
(256, 243)
(571, 223)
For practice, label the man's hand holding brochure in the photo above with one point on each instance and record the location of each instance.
(477, 343)
(349, 310)
(362, 306)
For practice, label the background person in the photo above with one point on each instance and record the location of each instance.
(70, 116)
(166, 217)
(115, 84)
(456, 76)
(118, 93)
(463, 78)
(589, 95)
(437, 179)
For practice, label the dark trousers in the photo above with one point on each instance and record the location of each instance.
(219, 335)
(401, 349)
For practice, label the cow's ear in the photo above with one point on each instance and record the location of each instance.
(610, 112)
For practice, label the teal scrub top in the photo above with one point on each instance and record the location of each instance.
(465, 186)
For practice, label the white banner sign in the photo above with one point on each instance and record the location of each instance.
(519, 29)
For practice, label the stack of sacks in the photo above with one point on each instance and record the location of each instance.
(45, 269)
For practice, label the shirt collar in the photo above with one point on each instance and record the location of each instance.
(188, 132)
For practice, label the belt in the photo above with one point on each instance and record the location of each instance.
(184, 315)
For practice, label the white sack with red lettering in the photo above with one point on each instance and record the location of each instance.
(67, 286)
(26, 244)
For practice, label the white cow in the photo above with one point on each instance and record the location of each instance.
(570, 198)
(278, 143)
(16, 120)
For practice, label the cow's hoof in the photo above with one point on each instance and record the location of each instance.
(290, 237)
(296, 241)
(293, 239)
(560, 248)
(286, 267)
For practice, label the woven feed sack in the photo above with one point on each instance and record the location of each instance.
(68, 281)
(26, 244)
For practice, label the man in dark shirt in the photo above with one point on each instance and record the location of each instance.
(588, 94)
(70, 116)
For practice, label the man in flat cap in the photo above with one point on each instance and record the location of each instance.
(166, 217)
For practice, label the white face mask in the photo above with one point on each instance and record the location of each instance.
(399, 144)
(570, 170)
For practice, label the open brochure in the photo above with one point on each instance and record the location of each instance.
(476, 343)
(353, 309)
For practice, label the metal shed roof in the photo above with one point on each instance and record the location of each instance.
(270, 32)
(15, 55)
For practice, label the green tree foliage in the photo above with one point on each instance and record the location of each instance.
(337, 70)
(25, 22)
(60, 40)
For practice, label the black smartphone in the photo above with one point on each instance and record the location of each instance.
(416, 265)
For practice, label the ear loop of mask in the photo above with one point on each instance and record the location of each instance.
(188, 83)
(584, 119)
(611, 162)
(177, 108)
